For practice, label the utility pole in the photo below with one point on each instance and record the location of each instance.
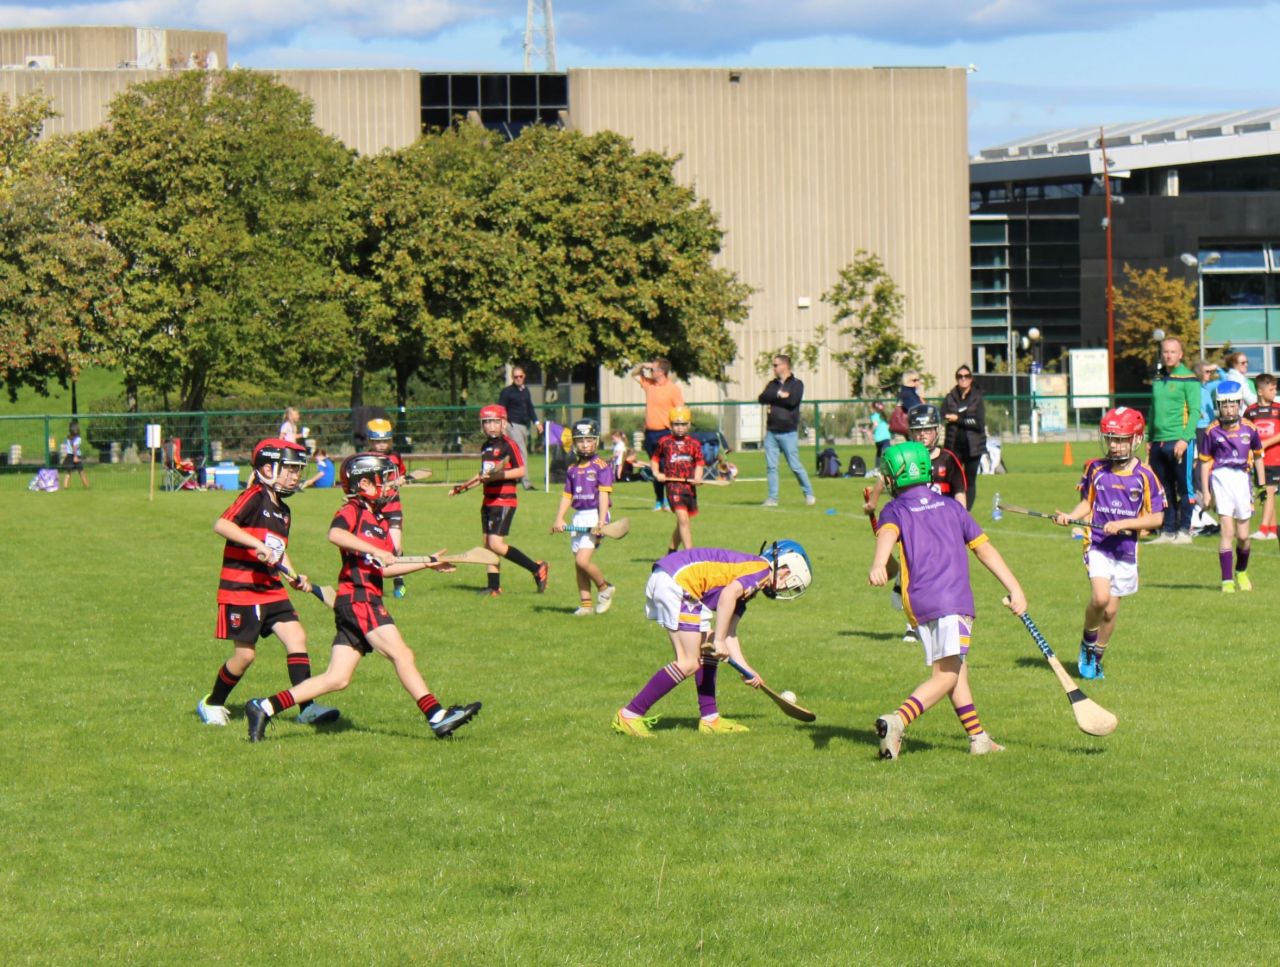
(539, 35)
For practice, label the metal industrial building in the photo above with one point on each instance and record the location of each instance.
(803, 167)
(1204, 187)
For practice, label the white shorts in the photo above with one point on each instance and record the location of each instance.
(1232, 493)
(1122, 574)
(666, 603)
(944, 637)
(584, 518)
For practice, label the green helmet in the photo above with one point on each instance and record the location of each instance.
(906, 464)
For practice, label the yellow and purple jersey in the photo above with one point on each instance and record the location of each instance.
(585, 481)
(1231, 449)
(1119, 496)
(704, 572)
(934, 533)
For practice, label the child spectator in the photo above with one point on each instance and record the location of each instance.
(588, 484)
(72, 458)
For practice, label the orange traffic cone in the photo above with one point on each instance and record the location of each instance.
(1066, 455)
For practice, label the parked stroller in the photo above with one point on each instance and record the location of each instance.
(714, 450)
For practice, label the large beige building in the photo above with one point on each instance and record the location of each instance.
(803, 167)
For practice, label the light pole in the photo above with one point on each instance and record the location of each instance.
(1158, 336)
(1033, 335)
(1189, 260)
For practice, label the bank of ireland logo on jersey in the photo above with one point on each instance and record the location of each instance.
(487, 467)
(235, 620)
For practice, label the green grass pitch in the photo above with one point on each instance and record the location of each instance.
(133, 834)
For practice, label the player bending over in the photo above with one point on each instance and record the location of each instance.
(933, 532)
(362, 533)
(1122, 497)
(1230, 467)
(588, 485)
(252, 601)
(681, 586)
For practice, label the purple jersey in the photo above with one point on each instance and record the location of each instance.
(934, 532)
(585, 481)
(703, 572)
(1118, 495)
(1231, 449)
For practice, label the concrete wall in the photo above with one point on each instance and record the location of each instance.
(106, 48)
(368, 110)
(803, 168)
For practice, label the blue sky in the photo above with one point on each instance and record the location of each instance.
(1042, 64)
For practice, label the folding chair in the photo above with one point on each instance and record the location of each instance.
(714, 449)
(179, 474)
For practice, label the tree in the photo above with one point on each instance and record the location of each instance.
(58, 289)
(619, 255)
(868, 307)
(225, 200)
(1151, 300)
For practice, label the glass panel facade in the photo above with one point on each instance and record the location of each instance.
(506, 102)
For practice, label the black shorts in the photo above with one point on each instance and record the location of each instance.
(248, 622)
(353, 620)
(72, 462)
(1273, 476)
(681, 494)
(496, 520)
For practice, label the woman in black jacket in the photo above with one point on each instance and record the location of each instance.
(965, 413)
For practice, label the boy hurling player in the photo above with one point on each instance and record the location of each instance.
(588, 485)
(252, 602)
(678, 462)
(362, 533)
(933, 533)
(501, 465)
(378, 433)
(1231, 461)
(684, 583)
(1265, 415)
(1122, 497)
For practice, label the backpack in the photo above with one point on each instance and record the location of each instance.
(857, 467)
(898, 421)
(46, 479)
(828, 463)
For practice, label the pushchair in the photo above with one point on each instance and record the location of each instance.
(714, 449)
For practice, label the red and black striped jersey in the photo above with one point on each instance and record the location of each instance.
(244, 579)
(679, 456)
(948, 474)
(393, 506)
(361, 578)
(1266, 417)
(504, 455)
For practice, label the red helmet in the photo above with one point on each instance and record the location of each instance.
(493, 412)
(277, 454)
(1122, 424)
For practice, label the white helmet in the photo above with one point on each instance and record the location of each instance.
(792, 556)
(1229, 393)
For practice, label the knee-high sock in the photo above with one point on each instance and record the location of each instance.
(705, 680)
(1242, 558)
(665, 679)
(299, 671)
(1224, 562)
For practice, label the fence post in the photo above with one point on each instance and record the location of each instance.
(44, 444)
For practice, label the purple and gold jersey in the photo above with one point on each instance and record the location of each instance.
(1118, 495)
(586, 481)
(934, 533)
(1231, 449)
(703, 572)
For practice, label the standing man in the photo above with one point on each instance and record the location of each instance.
(1175, 409)
(661, 396)
(520, 413)
(783, 396)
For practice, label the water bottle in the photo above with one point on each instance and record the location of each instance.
(996, 512)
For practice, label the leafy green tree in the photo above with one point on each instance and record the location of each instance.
(619, 255)
(58, 291)
(1151, 300)
(868, 310)
(225, 200)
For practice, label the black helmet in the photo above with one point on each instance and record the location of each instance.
(925, 416)
(373, 467)
(586, 428)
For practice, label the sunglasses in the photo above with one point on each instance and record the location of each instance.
(964, 375)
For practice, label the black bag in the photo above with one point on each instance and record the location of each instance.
(828, 463)
(857, 467)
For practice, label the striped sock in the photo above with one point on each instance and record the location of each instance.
(705, 680)
(1090, 637)
(910, 710)
(222, 686)
(969, 719)
(664, 680)
(299, 671)
(281, 701)
(428, 705)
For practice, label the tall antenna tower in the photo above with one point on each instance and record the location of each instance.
(539, 35)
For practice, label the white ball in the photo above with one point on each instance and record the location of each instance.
(790, 697)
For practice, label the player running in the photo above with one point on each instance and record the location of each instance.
(588, 486)
(252, 601)
(678, 462)
(362, 533)
(933, 532)
(1265, 415)
(1230, 467)
(1122, 497)
(684, 584)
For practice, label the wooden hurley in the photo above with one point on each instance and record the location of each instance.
(789, 708)
(1091, 717)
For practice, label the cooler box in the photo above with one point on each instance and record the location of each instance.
(226, 476)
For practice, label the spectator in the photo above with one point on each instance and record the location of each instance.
(1175, 401)
(325, 471)
(1239, 362)
(965, 413)
(520, 413)
(783, 395)
(661, 396)
(290, 429)
(879, 429)
(1207, 373)
(72, 457)
(909, 392)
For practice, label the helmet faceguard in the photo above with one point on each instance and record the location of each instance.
(586, 438)
(1229, 393)
(278, 465)
(1121, 429)
(906, 465)
(791, 556)
(375, 469)
(378, 433)
(923, 424)
(680, 416)
(493, 420)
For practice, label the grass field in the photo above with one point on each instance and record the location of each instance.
(133, 834)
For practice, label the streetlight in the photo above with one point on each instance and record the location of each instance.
(1190, 261)
(1033, 337)
(1158, 336)
(1017, 339)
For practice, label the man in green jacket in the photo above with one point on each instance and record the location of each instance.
(1175, 407)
